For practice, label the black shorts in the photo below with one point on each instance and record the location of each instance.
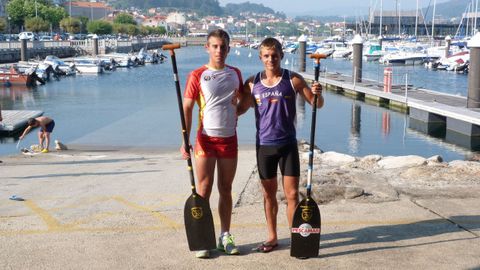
(270, 157)
(49, 127)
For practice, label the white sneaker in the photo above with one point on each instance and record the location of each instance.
(227, 245)
(202, 254)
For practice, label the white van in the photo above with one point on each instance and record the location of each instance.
(27, 35)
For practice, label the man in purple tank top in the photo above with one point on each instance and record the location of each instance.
(272, 93)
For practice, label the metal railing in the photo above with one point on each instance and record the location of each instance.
(87, 43)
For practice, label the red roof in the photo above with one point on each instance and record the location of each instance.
(87, 4)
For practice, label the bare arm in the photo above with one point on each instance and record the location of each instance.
(25, 132)
(245, 98)
(188, 105)
(308, 93)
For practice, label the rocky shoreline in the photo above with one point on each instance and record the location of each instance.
(377, 178)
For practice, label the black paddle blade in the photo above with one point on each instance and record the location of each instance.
(306, 228)
(199, 223)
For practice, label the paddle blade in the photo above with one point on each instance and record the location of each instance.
(306, 228)
(199, 223)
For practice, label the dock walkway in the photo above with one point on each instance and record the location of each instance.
(444, 111)
(15, 120)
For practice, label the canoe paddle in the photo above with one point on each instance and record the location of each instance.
(306, 224)
(197, 214)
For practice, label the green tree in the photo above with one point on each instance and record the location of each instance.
(124, 18)
(132, 30)
(119, 28)
(99, 27)
(16, 12)
(3, 24)
(37, 25)
(71, 25)
(84, 22)
(20, 10)
(54, 15)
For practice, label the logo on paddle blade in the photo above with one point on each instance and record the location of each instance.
(197, 212)
(306, 213)
(305, 230)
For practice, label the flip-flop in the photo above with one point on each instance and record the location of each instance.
(266, 247)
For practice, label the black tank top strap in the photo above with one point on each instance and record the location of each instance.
(286, 74)
(257, 78)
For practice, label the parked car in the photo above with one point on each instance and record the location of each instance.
(27, 35)
(45, 38)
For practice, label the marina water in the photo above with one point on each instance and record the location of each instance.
(137, 108)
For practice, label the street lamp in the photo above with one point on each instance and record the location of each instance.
(9, 31)
(36, 13)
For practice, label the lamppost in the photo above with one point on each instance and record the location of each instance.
(36, 13)
(9, 31)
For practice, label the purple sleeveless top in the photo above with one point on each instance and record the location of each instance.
(275, 111)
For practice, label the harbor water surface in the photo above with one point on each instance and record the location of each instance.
(137, 108)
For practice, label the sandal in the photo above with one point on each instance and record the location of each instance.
(266, 247)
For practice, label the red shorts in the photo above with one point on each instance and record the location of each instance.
(206, 146)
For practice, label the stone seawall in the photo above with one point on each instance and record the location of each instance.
(13, 55)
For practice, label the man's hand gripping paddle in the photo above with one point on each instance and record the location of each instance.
(306, 224)
(197, 214)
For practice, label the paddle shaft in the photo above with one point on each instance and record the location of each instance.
(312, 132)
(171, 48)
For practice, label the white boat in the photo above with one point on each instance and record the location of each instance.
(406, 55)
(373, 52)
(324, 49)
(404, 58)
(59, 65)
(340, 49)
(88, 65)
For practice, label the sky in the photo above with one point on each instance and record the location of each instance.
(337, 7)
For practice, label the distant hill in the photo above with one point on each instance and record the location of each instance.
(450, 9)
(203, 7)
(236, 9)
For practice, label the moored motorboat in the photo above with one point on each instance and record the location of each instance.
(12, 76)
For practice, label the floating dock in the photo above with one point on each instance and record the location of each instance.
(430, 112)
(15, 120)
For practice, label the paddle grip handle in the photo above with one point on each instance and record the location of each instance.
(186, 140)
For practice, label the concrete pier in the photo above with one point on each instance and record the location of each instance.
(473, 100)
(23, 50)
(357, 58)
(95, 45)
(15, 120)
(302, 44)
(431, 112)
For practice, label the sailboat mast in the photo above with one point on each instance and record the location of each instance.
(433, 20)
(399, 21)
(381, 17)
(396, 13)
(475, 24)
(467, 18)
(416, 21)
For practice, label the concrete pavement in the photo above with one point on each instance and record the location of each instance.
(123, 209)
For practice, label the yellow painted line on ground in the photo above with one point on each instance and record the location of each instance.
(71, 228)
(76, 204)
(51, 222)
(152, 212)
(77, 230)
(90, 218)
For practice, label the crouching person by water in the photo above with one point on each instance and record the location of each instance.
(46, 125)
(272, 93)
